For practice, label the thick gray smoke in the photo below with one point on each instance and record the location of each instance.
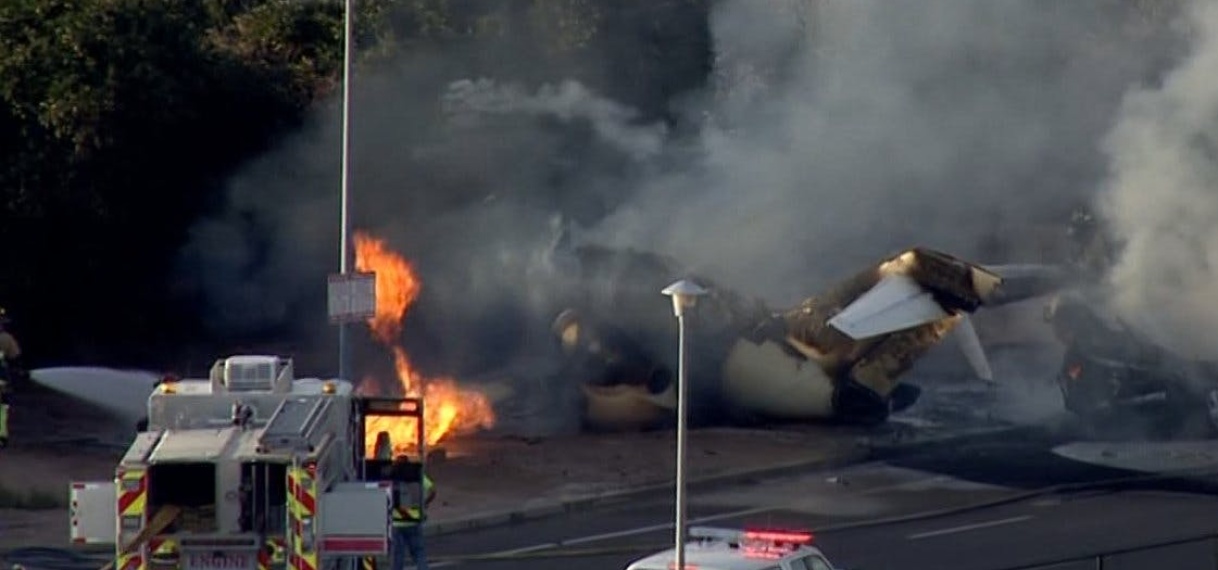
(864, 127)
(1162, 198)
(832, 133)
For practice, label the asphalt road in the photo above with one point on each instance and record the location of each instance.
(1024, 532)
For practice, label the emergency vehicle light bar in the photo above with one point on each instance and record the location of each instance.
(775, 537)
(788, 536)
(709, 533)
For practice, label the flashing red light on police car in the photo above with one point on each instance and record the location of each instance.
(772, 544)
(785, 536)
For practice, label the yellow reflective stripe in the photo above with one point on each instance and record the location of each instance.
(405, 516)
(278, 552)
(137, 506)
(300, 485)
(170, 546)
(294, 537)
(271, 555)
(4, 421)
(131, 561)
(133, 502)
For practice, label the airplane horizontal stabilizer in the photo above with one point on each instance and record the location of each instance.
(895, 303)
(970, 343)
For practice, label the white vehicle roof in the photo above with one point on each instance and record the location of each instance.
(729, 549)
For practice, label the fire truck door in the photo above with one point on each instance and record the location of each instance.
(355, 519)
(93, 513)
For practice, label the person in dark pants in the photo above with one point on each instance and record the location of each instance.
(408, 520)
(10, 353)
(10, 371)
(3, 414)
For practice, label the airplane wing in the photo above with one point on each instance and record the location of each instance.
(896, 303)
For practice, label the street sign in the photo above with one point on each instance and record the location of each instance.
(352, 297)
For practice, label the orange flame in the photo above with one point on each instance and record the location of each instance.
(447, 408)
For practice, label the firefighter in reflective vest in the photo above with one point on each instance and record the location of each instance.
(408, 521)
(10, 369)
(407, 518)
(3, 414)
(10, 353)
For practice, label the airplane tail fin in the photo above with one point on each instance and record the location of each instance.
(970, 343)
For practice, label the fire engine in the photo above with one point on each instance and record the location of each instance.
(249, 469)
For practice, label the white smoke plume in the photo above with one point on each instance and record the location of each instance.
(1162, 198)
(864, 127)
(833, 133)
(566, 101)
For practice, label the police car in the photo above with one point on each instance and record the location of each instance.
(727, 549)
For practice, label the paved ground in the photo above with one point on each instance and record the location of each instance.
(56, 441)
(527, 471)
(524, 471)
(1031, 530)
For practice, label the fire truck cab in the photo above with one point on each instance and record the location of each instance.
(248, 469)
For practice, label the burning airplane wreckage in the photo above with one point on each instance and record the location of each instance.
(838, 356)
(1113, 379)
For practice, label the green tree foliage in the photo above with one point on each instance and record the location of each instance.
(120, 120)
(117, 120)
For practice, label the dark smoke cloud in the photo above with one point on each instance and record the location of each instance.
(833, 133)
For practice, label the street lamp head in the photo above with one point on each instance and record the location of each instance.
(684, 294)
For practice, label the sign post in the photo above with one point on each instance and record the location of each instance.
(351, 298)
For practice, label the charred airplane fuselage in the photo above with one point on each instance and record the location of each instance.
(837, 356)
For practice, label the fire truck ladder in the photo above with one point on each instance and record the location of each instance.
(159, 523)
(293, 424)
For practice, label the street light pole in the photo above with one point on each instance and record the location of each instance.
(344, 256)
(684, 294)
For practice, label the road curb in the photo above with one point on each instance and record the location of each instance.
(863, 451)
(902, 447)
(1014, 497)
(550, 508)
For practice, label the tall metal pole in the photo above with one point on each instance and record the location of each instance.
(682, 401)
(344, 258)
(684, 294)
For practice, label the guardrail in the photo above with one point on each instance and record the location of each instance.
(1198, 551)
